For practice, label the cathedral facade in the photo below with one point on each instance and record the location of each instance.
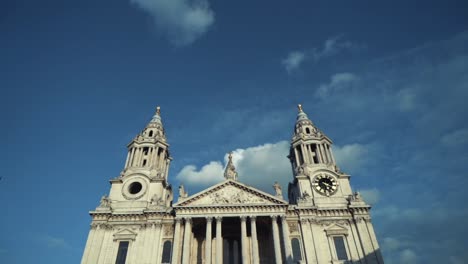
(320, 221)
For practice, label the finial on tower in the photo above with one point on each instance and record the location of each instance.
(158, 110)
(299, 106)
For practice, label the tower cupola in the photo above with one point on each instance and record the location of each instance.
(309, 146)
(148, 152)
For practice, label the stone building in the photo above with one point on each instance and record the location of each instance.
(320, 221)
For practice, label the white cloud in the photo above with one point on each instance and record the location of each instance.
(458, 137)
(407, 256)
(371, 196)
(294, 60)
(183, 21)
(337, 82)
(209, 174)
(262, 165)
(351, 157)
(259, 166)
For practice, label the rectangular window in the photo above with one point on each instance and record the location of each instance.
(122, 253)
(340, 248)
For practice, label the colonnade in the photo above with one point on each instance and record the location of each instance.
(154, 155)
(313, 153)
(250, 251)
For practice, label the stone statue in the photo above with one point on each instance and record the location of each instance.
(105, 201)
(278, 190)
(182, 192)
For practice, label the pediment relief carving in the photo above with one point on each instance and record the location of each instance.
(231, 193)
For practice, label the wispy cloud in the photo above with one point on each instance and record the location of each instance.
(337, 82)
(182, 21)
(371, 196)
(458, 137)
(293, 61)
(331, 47)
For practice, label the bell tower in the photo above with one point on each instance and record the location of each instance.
(317, 179)
(143, 181)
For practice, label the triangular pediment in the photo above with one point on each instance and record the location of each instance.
(230, 193)
(336, 229)
(125, 234)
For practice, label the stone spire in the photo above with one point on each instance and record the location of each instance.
(230, 172)
(156, 123)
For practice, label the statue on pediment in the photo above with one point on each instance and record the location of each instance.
(278, 190)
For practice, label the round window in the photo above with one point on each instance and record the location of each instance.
(134, 188)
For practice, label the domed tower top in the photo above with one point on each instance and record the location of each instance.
(155, 128)
(305, 128)
(310, 147)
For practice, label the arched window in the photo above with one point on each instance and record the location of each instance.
(150, 133)
(166, 254)
(307, 130)
(296, 249)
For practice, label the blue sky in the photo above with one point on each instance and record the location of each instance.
(387, 81)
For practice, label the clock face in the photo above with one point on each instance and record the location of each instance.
(325, 184)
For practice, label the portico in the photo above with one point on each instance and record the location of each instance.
(224, 224)
(231, 240)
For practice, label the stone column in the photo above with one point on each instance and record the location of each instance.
(161, 158)
(235, 253)
(132, 157)
(331, 154)
(286, 241)
(253, 229)
(324, 155)
(208, 240)
(298, 160)
(245, 253)
(175, 248)
(305, 155)
(187, 238)
(276, 240)
(219, 241)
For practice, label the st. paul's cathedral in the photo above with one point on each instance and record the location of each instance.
(319, 220)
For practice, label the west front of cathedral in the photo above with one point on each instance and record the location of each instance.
(320, 221)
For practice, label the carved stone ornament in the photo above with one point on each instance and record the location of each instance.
(232, 195)
(105, 202)
(293, 228)
(168, 230)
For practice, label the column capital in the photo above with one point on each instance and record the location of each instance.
(209, 219)
(283, 217)
(188, 219)
(243, 218)
(253, 218)
(178, 220)
(274, 217)
(219, 219)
